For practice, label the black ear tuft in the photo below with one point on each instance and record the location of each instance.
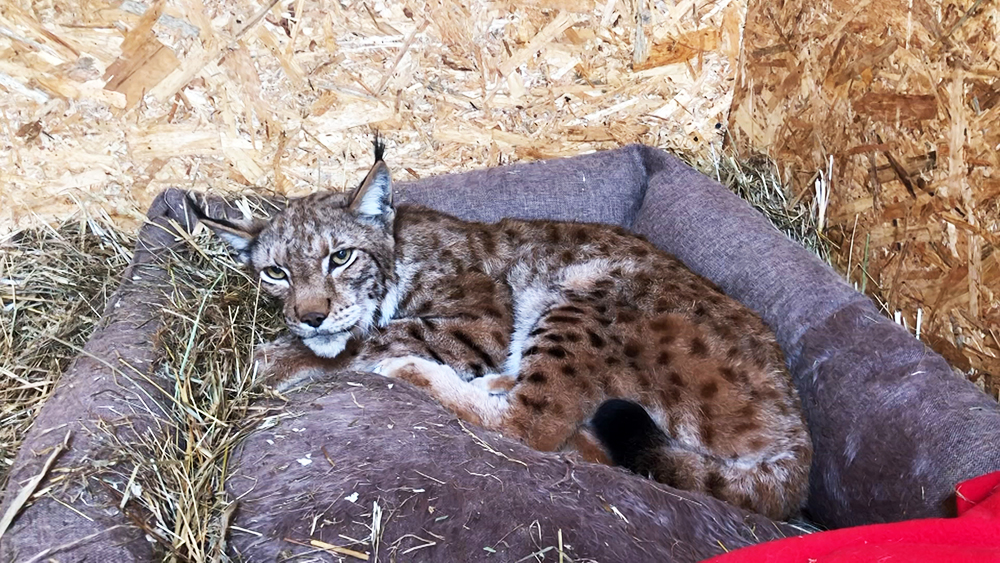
(379, 147)
(195, 206)
(238, 234)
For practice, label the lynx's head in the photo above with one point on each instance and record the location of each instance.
(327, 256)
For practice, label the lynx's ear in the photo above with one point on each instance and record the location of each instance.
(373, 198)
(238, 234)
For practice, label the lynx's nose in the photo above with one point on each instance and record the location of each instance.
(313, 319)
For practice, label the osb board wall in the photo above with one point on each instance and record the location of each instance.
(904, 96)
(103, 104)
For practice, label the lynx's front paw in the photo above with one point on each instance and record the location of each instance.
(473, 403)
(420, 372)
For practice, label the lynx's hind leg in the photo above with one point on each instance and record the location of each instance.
(559, 375)
(484, 404)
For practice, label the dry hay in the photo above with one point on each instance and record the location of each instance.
(59, 280)
(55, 283)
(214, 321)
(901, 101)
(107, 103)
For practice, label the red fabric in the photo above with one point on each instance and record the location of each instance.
(974, 491)
(973, 537)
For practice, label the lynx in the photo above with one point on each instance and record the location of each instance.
(567, 336)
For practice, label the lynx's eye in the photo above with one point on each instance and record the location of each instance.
(341, 257)
(273, 274)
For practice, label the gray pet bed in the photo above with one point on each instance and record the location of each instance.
(894, 428)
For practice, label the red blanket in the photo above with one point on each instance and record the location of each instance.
(972, 537)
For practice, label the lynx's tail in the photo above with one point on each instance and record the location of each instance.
(630, 436)
(775, 486)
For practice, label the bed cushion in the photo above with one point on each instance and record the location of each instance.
(893, 428)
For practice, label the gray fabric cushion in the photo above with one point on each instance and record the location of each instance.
(604, 187)
(895, 429)
(353, 441)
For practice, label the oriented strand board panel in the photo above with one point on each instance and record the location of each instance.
(105, 103)
(900, 100)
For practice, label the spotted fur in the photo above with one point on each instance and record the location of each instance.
(529, 327)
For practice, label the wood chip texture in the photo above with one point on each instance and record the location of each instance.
(900, 100)
(106, 103)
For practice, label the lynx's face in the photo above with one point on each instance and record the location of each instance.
(331, 269)
(328, 257)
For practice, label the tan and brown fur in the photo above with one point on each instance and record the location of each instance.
(528, 327)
